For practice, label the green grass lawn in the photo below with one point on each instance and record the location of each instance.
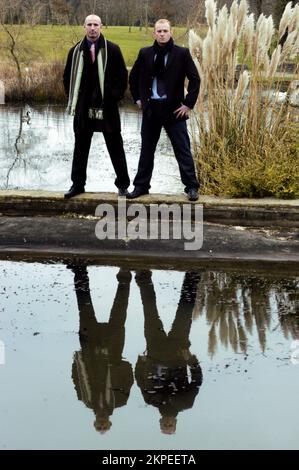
(48, 43)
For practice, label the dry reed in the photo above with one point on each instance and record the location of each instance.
(244, 136)
(40, 83)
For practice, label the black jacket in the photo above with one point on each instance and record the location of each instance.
(116, 80)
(179, 66)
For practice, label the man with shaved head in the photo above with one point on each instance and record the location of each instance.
(95, 79)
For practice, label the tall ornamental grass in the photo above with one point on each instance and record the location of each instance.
(245, 135)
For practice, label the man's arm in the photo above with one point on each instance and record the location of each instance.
(67, 72)
(119, 78)
(134, 80)
(194, 81)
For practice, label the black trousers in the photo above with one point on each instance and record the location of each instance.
(114, 143)
(154, 118)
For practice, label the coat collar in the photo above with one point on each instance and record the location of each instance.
(170, 57)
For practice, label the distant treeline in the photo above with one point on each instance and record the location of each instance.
(112, 12)
(120, 12)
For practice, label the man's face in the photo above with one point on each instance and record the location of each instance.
(162, 33)
(92, 26)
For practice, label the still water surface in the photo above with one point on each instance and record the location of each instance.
(101, 357)
(38, 154)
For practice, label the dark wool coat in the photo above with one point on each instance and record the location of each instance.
(115, 84)
(179, 66)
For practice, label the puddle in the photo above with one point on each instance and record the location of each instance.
(38, 155)
(101, 357)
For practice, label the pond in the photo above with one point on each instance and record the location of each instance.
(122, 357)
(38, 154)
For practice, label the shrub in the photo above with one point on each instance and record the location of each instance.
(40, 83)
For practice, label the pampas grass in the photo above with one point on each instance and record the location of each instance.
(244, 136)
(234, 306)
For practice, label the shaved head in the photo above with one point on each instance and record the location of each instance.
(92, 18)
(92, 26)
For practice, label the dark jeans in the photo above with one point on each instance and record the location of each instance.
(115, 148)
(154, 118)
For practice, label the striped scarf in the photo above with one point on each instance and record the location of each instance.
(76, 73)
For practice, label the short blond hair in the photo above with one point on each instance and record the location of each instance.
(162, 20)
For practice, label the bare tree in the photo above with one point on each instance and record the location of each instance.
(131, 13)
(60, 11)
(14, 42)
(102, 8)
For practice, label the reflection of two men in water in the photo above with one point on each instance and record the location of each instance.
(168, 375)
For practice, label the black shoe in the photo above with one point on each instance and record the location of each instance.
(123, 192)
(137, 192)
(143, 277)
(73, 191)
(192, 194)
(124, 275)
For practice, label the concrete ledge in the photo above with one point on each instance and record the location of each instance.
(240, 212)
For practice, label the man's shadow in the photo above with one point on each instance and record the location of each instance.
(102, 378)
(169, 375)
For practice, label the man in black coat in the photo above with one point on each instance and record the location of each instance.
(102, 377)
(157, 82)
(169, 375)
(95, 79)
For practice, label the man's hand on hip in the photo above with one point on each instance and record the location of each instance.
(182, 111)
(138, 102)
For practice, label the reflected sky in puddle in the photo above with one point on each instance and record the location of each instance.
(100, 357)
(38, 155)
